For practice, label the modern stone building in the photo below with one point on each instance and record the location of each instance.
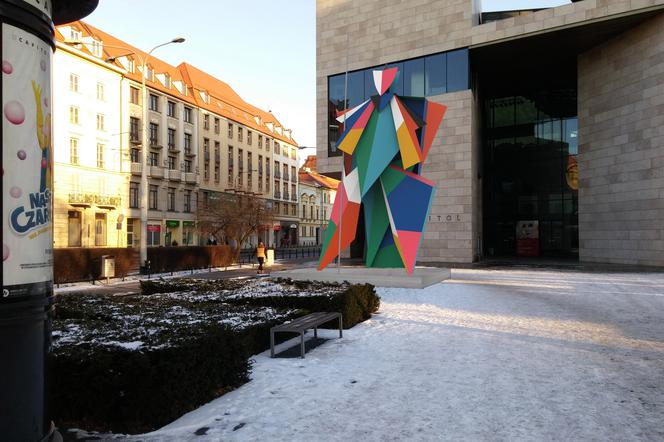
(553, 141)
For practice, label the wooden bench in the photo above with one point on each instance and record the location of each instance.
(302, 324)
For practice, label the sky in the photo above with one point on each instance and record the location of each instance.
(264, 49)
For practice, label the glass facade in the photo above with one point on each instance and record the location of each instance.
(420, 77)
(530, 174)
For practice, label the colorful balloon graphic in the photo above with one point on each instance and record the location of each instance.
(21, 155)
(15, 192)
(14, 112)
(7, 67)
(5, 252)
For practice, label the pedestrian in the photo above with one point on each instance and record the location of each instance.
(260, 255)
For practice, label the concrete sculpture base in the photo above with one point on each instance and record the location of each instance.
(422, 276)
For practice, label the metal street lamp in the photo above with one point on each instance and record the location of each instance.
(144, 139)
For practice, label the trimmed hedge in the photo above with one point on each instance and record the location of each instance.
(186, 356)
(84, 264)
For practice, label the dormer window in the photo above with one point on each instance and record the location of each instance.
(96, 48)
(205, 96)
(75, 34)
(131, 66)
(167, 80)
(149, 73)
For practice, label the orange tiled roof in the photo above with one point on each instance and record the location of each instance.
(223, 100)
(312, 178)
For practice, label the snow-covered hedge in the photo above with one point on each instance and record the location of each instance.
(134, 363)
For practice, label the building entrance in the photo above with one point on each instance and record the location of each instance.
(530, 174)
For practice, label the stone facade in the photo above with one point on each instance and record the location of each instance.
(356, 34)
(621, 148)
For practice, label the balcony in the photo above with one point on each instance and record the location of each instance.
(136, 168)
(277, 194)
(286, 177)
(173, 148)
(277, 174)
(293, 197)
(88, 199)
(174, 175)
(191, 178)
(217, 158)
(154, 144)
(134, 138)
(286, 195)
(188, 152)
(156, 172)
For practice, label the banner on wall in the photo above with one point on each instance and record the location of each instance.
(27, 167)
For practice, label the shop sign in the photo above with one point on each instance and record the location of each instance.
(27, 159)
(276, 228)
(188, 223)
(172, 223)
(154, 228)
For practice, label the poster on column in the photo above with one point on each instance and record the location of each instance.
(27, 170)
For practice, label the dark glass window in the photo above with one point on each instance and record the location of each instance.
(413, 78)
(457, 70)
(435, 74)
(133, 195)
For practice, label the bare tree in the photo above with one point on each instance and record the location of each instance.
(235, 216)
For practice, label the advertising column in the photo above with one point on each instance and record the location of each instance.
(27, 225)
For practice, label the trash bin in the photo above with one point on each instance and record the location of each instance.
(108, 266)
(269, 257)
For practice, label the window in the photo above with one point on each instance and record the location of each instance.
(100, 155)
(73, 150)
(250, 178)
(149, 73)
(187, 201)
(413, 78)
(100, 229)
(293, 193)
(187, 144)
(96, 48)
(130, 232)
(133, 95)
(153, 196)
(171, 199)
(285, 168)
(267, 167)
(457, 70)
(167, 81)
(171, 138)
(293, 153)
(277, 150)
(73, 114)
(230, 165)
(171, 109)
(267, 184)
(293, 176)
(277, 171)
(75, 34)
(133, 129)
(153, 234)
(172, 163)
(154, 159)
(134, 153)
(187, 166)
(131, 65)
(216, 173)
(260, 165)
(187, 115)
(293, 210)
(74, 229)
(249, 137)
(435, 74)
(73, 82)
(284, 151)
(133, 196)
(217, 124)
(154, 103)
(100, 91)
(230, 131)
(260, 141)
(154, 134)
(267, 144)
(206, 121)
(100, 122)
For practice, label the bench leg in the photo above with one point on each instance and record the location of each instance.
(302, 344)
(341, 326)
(271, 344)
(315, 332)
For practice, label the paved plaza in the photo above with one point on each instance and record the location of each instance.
(506, 354)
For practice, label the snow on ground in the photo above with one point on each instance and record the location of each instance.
(487, 355)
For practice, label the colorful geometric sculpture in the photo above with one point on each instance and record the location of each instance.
(385, 142)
